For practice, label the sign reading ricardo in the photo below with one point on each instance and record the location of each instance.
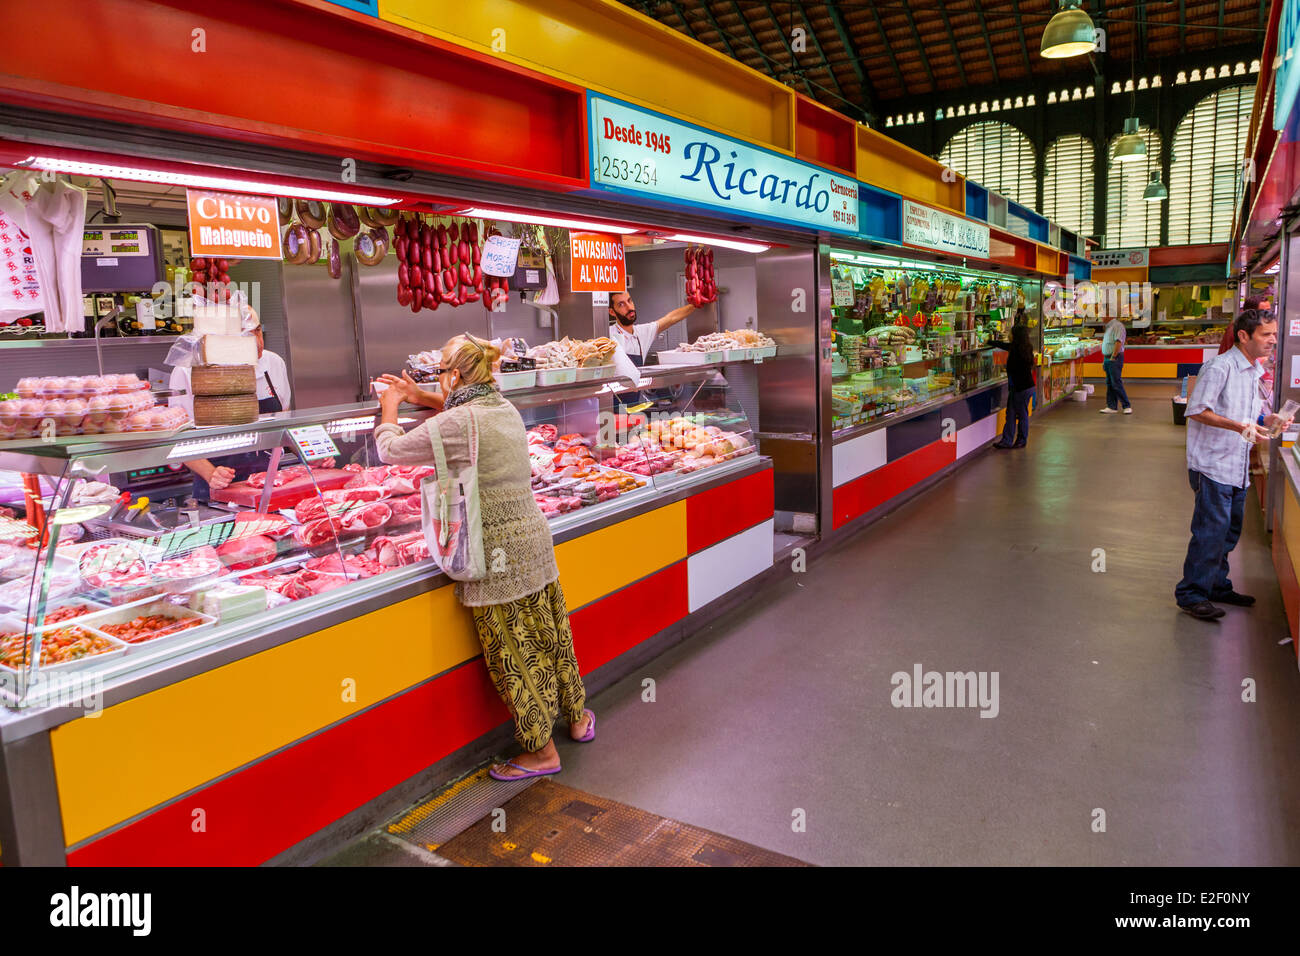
(232, 225)
(934, 229)
(637, 151)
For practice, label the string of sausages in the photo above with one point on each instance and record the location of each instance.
(701, 286)
(441, 265)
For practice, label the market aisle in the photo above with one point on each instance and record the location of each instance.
(1109, 697)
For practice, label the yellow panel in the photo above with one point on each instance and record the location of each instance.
(1094, 370)
(1152, 370)
(606, 560)
(142, 752)
(611, 48)
(1119, 275)
(887, 163)
(1291, 524)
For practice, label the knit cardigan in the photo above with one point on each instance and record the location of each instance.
(517, 545)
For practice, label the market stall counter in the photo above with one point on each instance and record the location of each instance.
(227, 661)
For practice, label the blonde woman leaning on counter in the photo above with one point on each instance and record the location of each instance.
(520, 614)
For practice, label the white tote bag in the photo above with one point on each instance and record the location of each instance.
(449, 513)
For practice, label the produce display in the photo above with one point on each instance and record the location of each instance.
(734, 339)
(573, 353)
(57, 647)
(701, 284)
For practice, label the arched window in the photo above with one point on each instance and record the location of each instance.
(1204, 171)
(997, 156)
(1130, 219)
(1068, 183)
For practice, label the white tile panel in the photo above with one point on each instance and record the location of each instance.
(854, 458)
(980, 433)
(728, 564)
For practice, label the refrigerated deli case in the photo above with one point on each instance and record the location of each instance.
(915, 386)
(233, 656)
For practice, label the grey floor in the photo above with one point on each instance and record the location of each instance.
(1110, 700)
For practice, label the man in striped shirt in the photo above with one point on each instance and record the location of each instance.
(1223, 414)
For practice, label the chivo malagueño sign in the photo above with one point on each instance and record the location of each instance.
(640, 152)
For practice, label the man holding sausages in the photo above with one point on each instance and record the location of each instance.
(636, 340)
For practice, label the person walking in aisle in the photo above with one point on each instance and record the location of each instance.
(1223, 414)
(1112, 350)
(1020, 378)
(519, 610)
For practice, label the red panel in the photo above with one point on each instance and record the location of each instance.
(301, 75)
(1209, 253)
(264, 809)
(1157, 356)
(824, 136)
(855, 498)
(729, 509)
(608, 627)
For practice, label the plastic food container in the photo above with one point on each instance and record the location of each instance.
(163, 608)
(591, 373)
(510, 380)
(74, 413)
(188, 572)
(676, 357)
(28, 387)
(556, 376)
(114, 647)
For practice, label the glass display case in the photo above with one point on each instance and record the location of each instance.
(910, 334)
(111, 564)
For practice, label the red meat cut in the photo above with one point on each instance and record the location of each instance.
(240, 554)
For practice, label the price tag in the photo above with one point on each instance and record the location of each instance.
(500, 257)
(1294, 327)
(312, 443)
(1295, 371)
(841, 291)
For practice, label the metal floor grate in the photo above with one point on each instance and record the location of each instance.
(436, 820)
(549, 824)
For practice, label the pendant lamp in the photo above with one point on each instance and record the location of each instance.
(1131, 146)
(1069, 33)
(1156, 191)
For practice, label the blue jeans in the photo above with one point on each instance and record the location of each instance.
(1017, 417)
(1115, 394)
(1216, 527)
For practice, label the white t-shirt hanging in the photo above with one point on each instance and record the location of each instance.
(639, 341)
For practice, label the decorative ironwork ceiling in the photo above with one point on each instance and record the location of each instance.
(853, 55)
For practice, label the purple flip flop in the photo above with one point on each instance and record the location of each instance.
(523, 776)
(590, 735)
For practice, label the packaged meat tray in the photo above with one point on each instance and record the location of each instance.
(147, 623)
(286, 495)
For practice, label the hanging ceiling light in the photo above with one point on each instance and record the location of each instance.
(1069, 33)
(1156, 191)
(1131, 146)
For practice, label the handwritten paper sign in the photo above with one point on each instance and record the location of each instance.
(500, 257)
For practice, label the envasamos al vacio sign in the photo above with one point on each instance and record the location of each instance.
(637, 151)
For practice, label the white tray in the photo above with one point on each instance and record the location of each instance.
(17, 623)
(593, 373)
(675, 357)
(121, 615)
(737, 355)
(512, 380)
(764, 351)
(556, 376)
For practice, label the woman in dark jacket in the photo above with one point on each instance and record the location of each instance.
(1020, 375)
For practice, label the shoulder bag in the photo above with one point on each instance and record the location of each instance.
(449, 512)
